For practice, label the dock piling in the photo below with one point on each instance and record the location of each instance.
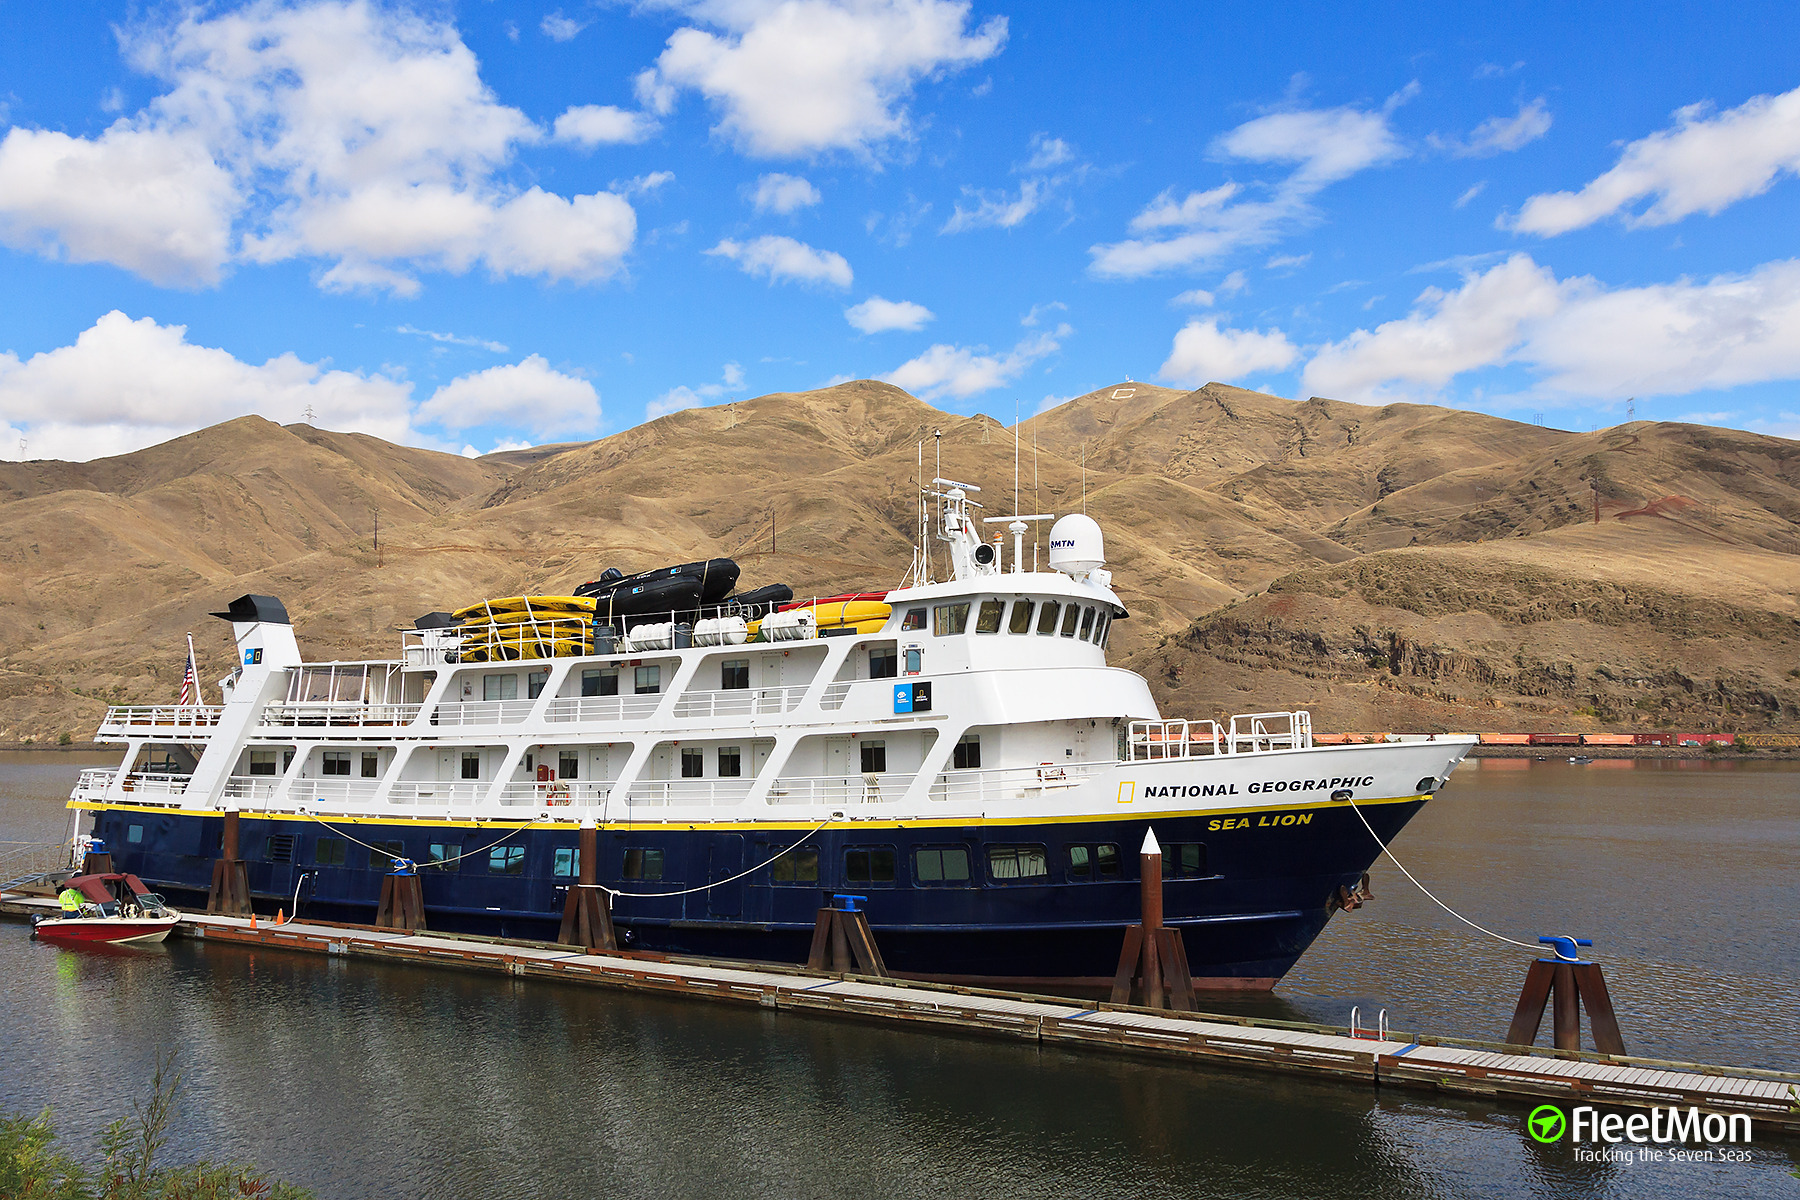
(402, 905)
(229, 895)
(843, 941)
(1153, 961)
(587, 913)
(1566, 987)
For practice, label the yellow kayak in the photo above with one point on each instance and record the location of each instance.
(491, 609)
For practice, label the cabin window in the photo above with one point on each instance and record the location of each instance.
(967, 754)
(1094, 862)
(947, 620)
(1087, 622)
(988, 619)
(568, 765)
(329, 852)
(445, 856)
(499, 687)
(796, 866)
(371, 766)
(869, 864)
(134, 834)
(534, 683)
(1047, 618)
(1184, 860)
(280, 848)
(649, 680)
(693, 762)
(506, 860)
(1100, 623)
(915, 660)
(1021, 617)
(643, 863)
(941, 866)
(568, 862)
(599, 683)
(1071, 618)
(731, 762)
(337, 762)
(1015, 864)
(1105, 634)
(262, 762)
(734, 674)
(914, 619)
(383, 854)
(471, 766)
(874, 757)
(884, 663)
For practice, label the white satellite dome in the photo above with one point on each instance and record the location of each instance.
(1076, 546)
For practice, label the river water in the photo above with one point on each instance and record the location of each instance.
(366, 1080)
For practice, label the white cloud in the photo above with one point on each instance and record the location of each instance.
(1047, 152)
(1030, 319)
(643, 185)
(127, 384)
(1703, 164)
(593, 125)
(1579, 337)
(1203, 352)
(963, 371)
(1287, 262)
(333, 130)
(1499, 135)
(996, 209)
(731, 379)
(799, 77)
(452, 339)
(1463, 200)
(1322, 145)
(782, 258)
(1198, 297)
(876, 315)
(1234, 283)
(528, 394)
(780, 193)
(560, 28)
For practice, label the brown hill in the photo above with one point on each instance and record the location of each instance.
(1391, 565)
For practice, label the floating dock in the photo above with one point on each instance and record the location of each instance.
(1770, 1098)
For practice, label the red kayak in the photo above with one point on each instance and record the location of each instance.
(119, 911)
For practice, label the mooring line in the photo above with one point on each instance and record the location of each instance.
(717, 882)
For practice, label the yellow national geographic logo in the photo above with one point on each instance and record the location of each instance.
(1127, 792)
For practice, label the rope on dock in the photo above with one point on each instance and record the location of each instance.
(1556, 947)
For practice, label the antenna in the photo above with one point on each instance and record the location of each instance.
(1084, 478)
(1015, 454)
(308, 413)
(1631, 409)
(1035, 502)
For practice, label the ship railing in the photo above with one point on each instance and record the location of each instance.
(740, 702)
(684, 792)
(555, 793)
(122, 718)
(94, 782)
(24, 863)
(1150, 741)
(251, 788)
(1255, 733)
(602, 708)
(337, 715)
(482, 712)
(1013, 783)
(458, 793)
(839, 789)
(155, 784)
(335, 791)
(834, 696)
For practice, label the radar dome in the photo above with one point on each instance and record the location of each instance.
(1076, 546)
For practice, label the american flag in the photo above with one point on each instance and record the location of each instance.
(190, 682)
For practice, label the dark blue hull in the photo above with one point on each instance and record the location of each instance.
(1250, 898)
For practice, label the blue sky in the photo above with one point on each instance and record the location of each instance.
(481, 225)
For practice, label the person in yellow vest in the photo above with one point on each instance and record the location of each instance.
(71, 900)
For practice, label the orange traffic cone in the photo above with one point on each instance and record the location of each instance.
(253, 918)
(281, 916)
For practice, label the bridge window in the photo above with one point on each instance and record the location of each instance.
(947, 620)
(648, 680)
(914, 619)
(337, 762)
(599, 683)
(734, 674)
(1017, 864)
(731, 762)
(1100, 624)
(884, 663)
(1071, 617)
(967, 754)
(1021, 617)
(693, 762)
(568, 765)
(499, 687)
(1087, 622)
(796, 866)
(1047, 618)
(941, 866)
(506, 860)
(643, 863)
(869, 864)
(988, 619)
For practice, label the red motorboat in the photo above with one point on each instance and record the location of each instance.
(119, 910)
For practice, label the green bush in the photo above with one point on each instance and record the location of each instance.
(34, 1167)
(63, 739)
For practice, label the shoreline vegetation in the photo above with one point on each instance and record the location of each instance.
(33, 1166)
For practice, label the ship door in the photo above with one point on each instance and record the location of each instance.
(448, 766)
(725, 858)
(837, 756)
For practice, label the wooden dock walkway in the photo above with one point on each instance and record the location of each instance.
(1772, 1099)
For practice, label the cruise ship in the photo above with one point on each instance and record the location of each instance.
(965, 759)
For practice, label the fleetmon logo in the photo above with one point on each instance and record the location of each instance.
(1546, 1123)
